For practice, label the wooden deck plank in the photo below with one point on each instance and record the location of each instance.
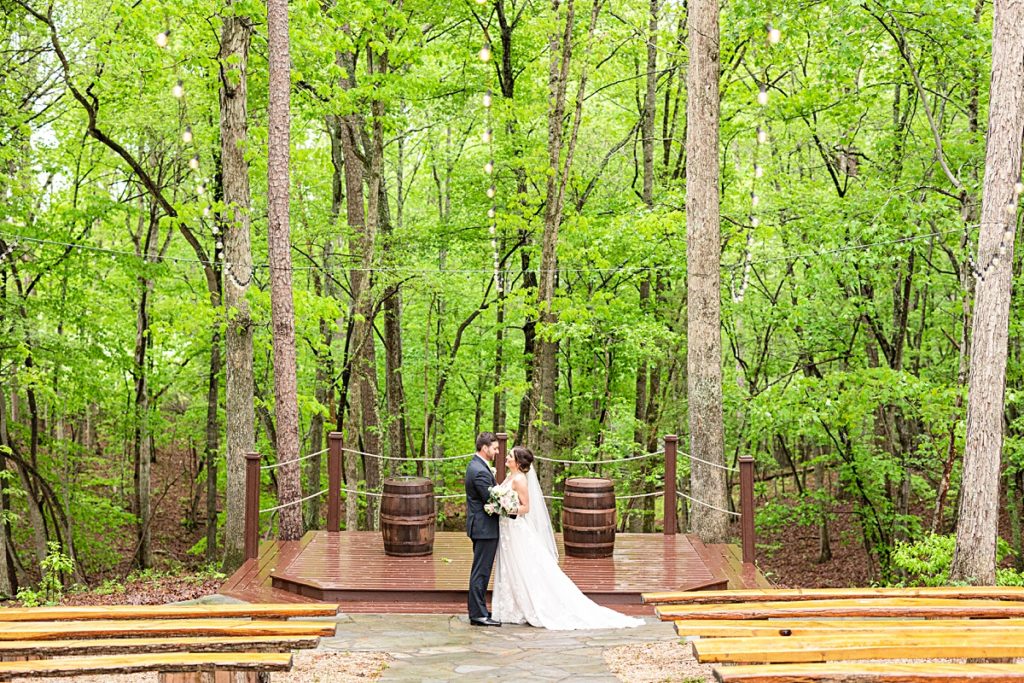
(882, 607)
(723, 628)
(800, 594)
(845, 647)
(933, 672)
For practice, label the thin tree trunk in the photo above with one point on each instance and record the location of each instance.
(704, 338)
(142, 442)
(977, 526)
(282, 307)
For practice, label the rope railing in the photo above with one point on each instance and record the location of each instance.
(275, 465)
(713, 464)
(391, 457)
(293, 502)
(707, 505)
(600, 462)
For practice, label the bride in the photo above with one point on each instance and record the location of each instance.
(529, 586)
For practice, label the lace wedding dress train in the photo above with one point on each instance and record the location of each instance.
(530, 587)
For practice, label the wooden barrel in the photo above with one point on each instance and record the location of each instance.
(588, 517)
(407, 516)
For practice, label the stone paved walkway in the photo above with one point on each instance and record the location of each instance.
(434, 647)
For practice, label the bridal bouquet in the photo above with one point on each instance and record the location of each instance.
(502, 501)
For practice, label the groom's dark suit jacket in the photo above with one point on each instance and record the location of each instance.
(479, 524)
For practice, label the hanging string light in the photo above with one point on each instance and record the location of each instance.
(163, 38)
(774, 36)
(178, 89)
(1005, 239)
(186, 135)
(485, 53)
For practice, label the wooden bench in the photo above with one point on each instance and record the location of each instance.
(877, 607)
(871, 672)
(834, 648)
(185, 644)
(895, 628)
(797, 594)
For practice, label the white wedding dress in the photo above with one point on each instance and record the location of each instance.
(530, 587)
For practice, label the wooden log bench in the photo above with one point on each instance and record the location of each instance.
(859, 607)
(798, 594)
(184, 644)
(932, 672)
(894, 628)
(834, 648)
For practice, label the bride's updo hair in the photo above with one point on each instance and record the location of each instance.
(524, 458)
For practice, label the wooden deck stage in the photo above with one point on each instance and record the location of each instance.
(351, 569)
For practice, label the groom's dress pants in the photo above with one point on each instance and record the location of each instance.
(484, 550)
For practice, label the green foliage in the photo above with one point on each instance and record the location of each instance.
(927, 561)
(55, 569)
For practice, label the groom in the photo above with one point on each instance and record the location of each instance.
(481, 527)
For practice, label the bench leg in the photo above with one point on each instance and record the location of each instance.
(219, 676)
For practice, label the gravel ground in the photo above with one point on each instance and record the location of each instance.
(308, 667)
(656, 663)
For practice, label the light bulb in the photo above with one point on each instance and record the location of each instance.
(481, 2)
(485, 53)
(762, 96)
(491, 191)
(490, 212)
(186, 135)
(762, 135)
(162, 38)
(754, 199)
(220, 245)
(755, 221)
(178, 90)
(214, 229)
(1018, 188)
(1002, 249)
(487, 135)
(491, 229)
(200, 188)
(774, 35)
(193, 163)
(489, 167)
(206, 213)
(1011, 209)
(487, 98)
(758, 171)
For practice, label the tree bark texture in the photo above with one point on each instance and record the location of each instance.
(975, 556)
(704, 337)
(236, 37)
(282, 307)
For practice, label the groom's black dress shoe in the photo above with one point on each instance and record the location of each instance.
(486, 621)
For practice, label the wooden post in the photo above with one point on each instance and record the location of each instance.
(252, 505)
(671, 446)
(333, 482)
(499, 466)
(747, 507)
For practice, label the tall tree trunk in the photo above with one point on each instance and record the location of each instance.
(704, 337)
(977, 526)
(240, 411)
(282, 307)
